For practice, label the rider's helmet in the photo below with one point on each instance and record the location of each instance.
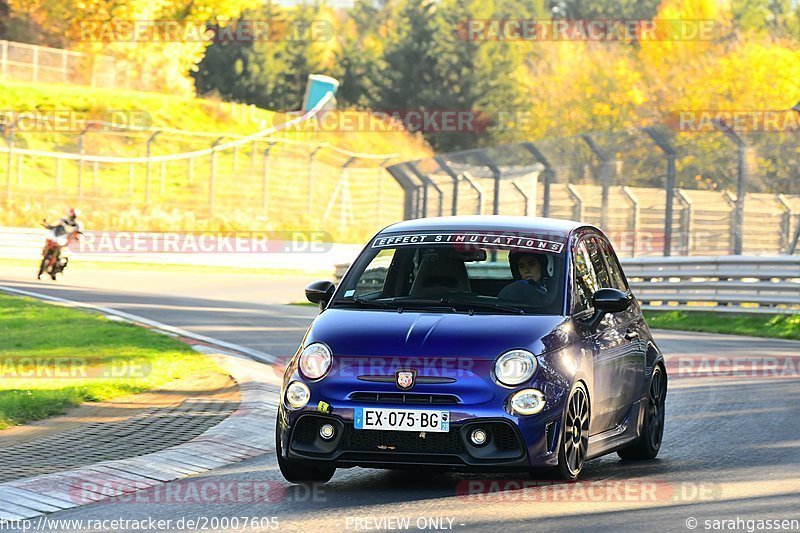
(74, 213)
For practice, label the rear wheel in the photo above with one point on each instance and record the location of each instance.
(300, 472)
(575, 440)
(652, 431)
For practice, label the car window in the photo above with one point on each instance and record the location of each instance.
(615, 273)
(596, 254)
(523, 275)
(586, 282)
(374, 276)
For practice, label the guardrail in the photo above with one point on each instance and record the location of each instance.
(741, 284)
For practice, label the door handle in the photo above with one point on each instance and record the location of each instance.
(631, 335)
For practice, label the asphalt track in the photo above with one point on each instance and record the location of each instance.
(731, 447)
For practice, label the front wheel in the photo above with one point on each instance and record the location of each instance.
(652, 431)
(299, 472)
(45, 262)
(575, 441)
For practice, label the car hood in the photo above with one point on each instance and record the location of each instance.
(357, 332)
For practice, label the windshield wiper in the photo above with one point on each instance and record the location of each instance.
(361, 302)
(422, 303)
(494, 306)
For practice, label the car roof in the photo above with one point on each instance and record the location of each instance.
(487, 222)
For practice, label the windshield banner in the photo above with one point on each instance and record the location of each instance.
(505, 240)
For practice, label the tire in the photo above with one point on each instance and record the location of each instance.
(44, 263)
(574, 442)
(652, 431)
(300, 472)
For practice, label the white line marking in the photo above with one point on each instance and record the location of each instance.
(260, 356)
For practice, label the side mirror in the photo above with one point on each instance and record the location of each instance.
(320, 292)
(606, 301)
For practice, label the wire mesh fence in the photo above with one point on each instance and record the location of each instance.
(655, 191)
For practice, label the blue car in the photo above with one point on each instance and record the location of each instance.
(479, 343)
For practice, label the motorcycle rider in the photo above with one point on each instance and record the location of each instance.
(72, 227)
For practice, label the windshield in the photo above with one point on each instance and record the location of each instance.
(434, 273)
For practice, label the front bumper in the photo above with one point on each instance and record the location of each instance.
(514, 444)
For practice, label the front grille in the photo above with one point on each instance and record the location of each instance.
(401, 397)
(369, 440)
(504, 437)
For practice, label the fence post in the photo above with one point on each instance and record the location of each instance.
(732, 228)
(235, 158)
(634, 226)
(265, 179)
(606, 171)
(424, 178)
(741, 184)
(525, 199)
(669, 188)
(453, 176)
(311, 156)
(577, 202)
(687, 220)
(20, 169)
(149, 149)
(213, 175)
(786, 224)
(496, 174)
(548, 175)
(409, 188)
(478, 189)
(162, 184)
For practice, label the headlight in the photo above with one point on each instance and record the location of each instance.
(527, 401)
(315, 361)
(515, 367)
(297, 394)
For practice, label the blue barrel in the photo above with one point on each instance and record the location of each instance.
(316, 89)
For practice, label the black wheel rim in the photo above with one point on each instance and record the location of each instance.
(655, 408)
(576, 431)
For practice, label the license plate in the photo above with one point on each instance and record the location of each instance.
(402, 420)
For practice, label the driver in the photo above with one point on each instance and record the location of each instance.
(530, 272)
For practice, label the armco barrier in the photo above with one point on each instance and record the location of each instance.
(743, 284)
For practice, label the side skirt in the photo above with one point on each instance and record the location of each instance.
(619, 437)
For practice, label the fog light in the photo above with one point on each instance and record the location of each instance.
(297, 394)
(528, 401)
(478, 437)
(326, 431)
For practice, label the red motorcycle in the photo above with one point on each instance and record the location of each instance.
(57, 238)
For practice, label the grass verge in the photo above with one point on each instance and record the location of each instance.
(785, 326)
(52, 358)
